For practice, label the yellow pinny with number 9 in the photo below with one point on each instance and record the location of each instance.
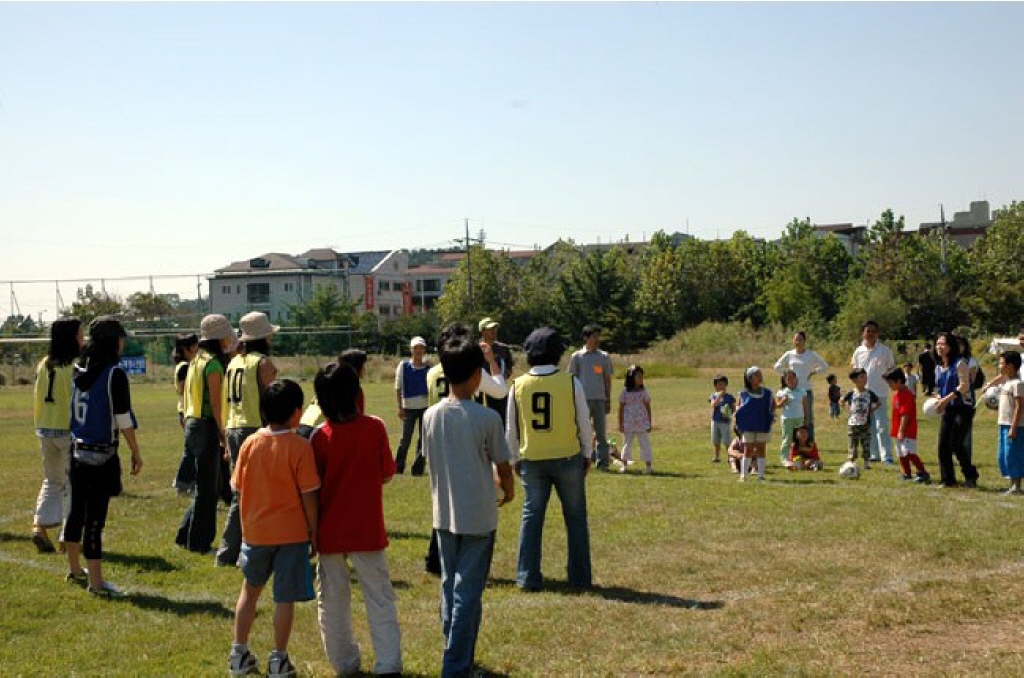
(546, 416)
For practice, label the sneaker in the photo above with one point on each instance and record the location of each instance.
(924, 478)
(716, 460)
(279, 665)
(77, 578)
(243, 664)
(972, 483)
(42, 542)
(418, 466)
(907, 476)
(867, 465)
(1013, 490)
(106, 590)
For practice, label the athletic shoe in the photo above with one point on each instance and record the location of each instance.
(907, 476)
(106, 590)
(418, 466)
(77, 578)
(42, 542)
(279, 665)
(923, 478)
(972, 483)
(243, 664)
(867, 465)
(1013, 490)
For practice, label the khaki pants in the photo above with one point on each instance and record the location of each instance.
(51, 508)
(334, 610)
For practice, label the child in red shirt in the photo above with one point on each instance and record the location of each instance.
(354, 460)
(904, 425)
(803, 453)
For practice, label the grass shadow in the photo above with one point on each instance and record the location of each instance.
(621, 594)
(10, 536)
(146, 563)
(180, 608)
(398, 534)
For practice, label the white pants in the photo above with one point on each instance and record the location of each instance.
(334, 610)
(50, 505)
(645, 446)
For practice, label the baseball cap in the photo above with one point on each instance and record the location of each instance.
(215, 326)
(542, 342)
(417, 341)
(487, 323)
(106, 327)
(255, 325)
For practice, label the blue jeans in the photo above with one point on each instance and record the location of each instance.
(199, 524)
(465, 564)
(231, 540)
(598, 416)
(413, 417)
(568, 476)
(881, 443)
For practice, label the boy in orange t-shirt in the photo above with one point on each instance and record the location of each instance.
(904, 425)
(277, 484)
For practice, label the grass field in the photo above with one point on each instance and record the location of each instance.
(695, 573)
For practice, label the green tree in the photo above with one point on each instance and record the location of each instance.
(146, 307)
(492, 277)
(661, 300)
(326, 306)
(90, 304)
(996, 295)
(599, 288)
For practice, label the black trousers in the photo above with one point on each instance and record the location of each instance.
(91, 490)
(954, 431)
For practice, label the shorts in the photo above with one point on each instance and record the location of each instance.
(906, 447)
(289, 563)
(755, 437)
(720, 433)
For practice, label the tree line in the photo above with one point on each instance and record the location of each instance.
(912, 283)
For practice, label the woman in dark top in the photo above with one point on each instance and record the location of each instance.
(101, 412)
(956, 407)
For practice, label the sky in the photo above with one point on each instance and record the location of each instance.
(171, 139)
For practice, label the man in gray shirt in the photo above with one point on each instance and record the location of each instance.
(593, 368)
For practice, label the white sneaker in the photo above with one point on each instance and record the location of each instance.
(243, 664)
(279, 665)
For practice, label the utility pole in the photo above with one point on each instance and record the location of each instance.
(468, 243)
(942, 236)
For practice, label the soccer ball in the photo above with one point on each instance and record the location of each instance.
(991, 397)
(930, 408)
(850, 470)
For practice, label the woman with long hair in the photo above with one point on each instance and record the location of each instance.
(101, 413)
(956, 407)
(52, 415)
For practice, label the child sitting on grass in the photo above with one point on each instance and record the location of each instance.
(803, 453)
(277, 482)
(735, 451)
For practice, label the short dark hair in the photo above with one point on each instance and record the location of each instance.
(543, 346)
(896, 374)
(830, 378)
(856, 372)
(355, 357)
(590, 329)
(337, 387)
(868, 323)
(182, 343)
(1012, 358)
(720, 377)
(279, 402)
(461, 357)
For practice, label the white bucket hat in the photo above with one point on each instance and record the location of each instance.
(215, 326)
(256, 325)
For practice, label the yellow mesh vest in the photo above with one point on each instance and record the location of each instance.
(313, 416)
(195, 384)
(546, 416)
(242, 391)
(52, 397)
(437, 385)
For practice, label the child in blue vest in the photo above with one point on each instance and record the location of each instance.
(754, 420)
(411, 390)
